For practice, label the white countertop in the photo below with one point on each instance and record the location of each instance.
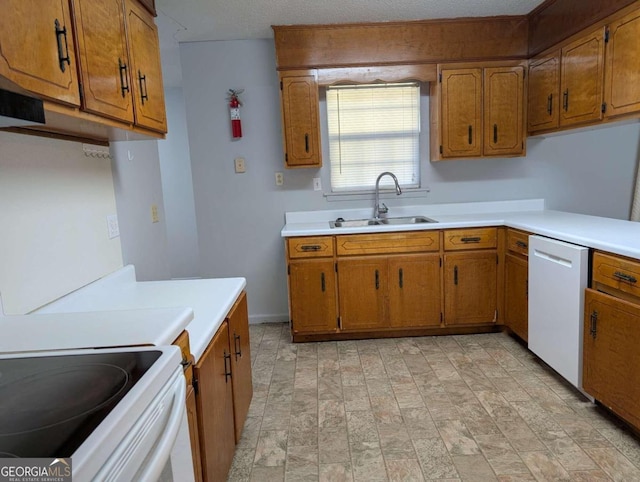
(97, 329)
(210, 299)
(613, 235)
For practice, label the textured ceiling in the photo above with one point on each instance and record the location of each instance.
(196, 20)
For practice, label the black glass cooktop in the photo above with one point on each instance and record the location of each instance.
(49, 405)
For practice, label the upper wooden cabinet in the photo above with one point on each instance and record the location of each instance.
(544, 87)
(461, 107)
(622, 71)
(37, 50)
(105, 70)
(582, 75)
(300, 124)
(479, 112)
(146, 72)
(120, 62)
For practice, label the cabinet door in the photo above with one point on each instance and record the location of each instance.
(503, 111)
(146, 72)
(470, 287)
(38, 65)
(238, 320)
(517, 295)
(214, 401)
(610, 356)
(312, 296)
(582, 77)
(300, 121)
(192, 420)
(622, 72)
(461, 107)
(544, 86)
(362, 291)
(414, 291)
(104, 61)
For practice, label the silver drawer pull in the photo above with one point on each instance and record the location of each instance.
(521, 244)
(311, 247)
(473, 239)
(625, 277)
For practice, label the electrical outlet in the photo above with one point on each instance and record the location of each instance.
(279, 179)
(239, 164)
(154, 213)
(317, 184)
(112, 226)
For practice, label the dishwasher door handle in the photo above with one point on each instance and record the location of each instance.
(552, 258)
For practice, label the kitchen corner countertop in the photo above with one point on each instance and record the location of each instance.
(606, 234)
(67, 331)
(210, 299)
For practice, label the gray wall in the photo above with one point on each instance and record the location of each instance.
(239, 216)
(137, 185)
(177, 189)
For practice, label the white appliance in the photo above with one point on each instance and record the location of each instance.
(557, 280)
(119, 414)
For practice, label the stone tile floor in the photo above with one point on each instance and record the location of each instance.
(454, 408)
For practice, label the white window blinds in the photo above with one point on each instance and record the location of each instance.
(372, 129)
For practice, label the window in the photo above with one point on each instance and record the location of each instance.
(372, 129)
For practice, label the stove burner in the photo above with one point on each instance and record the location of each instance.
(28, 403)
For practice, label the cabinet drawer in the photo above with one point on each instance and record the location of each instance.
(518, 242)
(415, 242)
(619, 273)
(311, 247)
(182, 342)
(457, 239)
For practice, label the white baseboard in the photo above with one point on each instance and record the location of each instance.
(256, 319)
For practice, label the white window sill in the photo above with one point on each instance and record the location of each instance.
(384, 194)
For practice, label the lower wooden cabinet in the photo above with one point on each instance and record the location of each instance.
(611, 359)
(214, 400)
(470, 287)
(362, 286)
(238, 320)
(516, 303)
(414, 291)
(312, 296)
(192, 419)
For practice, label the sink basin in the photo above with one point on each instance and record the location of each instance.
(406, 220)
(356, 223)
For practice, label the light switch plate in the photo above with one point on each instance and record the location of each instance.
(112, 226)
(239, 163)
(317, 184)
(279, 179)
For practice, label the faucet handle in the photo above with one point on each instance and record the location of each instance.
(383, 209)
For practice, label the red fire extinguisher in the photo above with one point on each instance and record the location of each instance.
(234, 110)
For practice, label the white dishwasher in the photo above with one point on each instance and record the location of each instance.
(557, 280)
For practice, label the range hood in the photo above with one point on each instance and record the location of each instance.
(18, 110)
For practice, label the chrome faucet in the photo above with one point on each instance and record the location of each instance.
(377, 209)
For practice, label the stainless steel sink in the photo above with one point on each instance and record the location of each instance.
(406, 220)
(356, 223)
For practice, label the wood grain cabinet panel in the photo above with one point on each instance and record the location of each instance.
(461, 112)
(474, 238)
(611, 359)
(582, 76)
(35, 38)
(408, 242)
(104, 58)
(238, 321)
(470, 287)
(299, 99)
(362, 288)
(214, 401)
(414, 291)
(146, 72)
(543, 96)
(310, 247)
(621, 274)
(192, 420)
(312, 296)
(517, 295)
(503, 111)
(518, 242)
(622, 72)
